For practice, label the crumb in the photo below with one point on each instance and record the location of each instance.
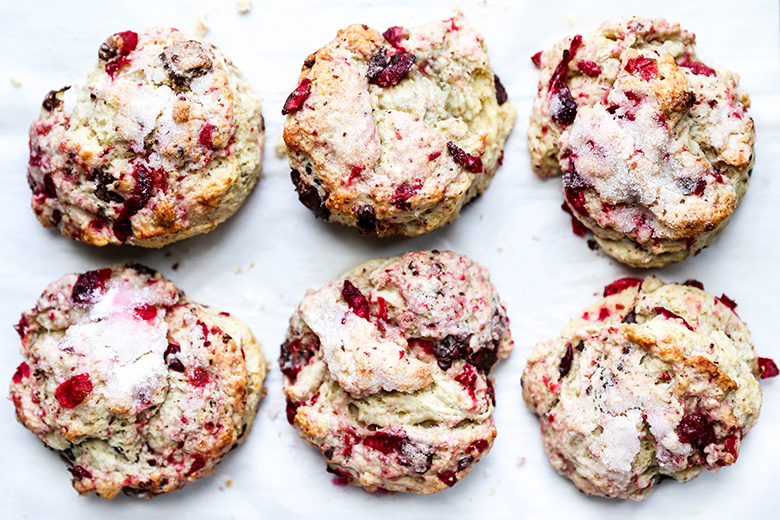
(244, 6)
(492, 492)
(593, 245)
(15, 81)
(175, 266)
(481, 217)
(521, 462)
(570, 19)
(229, 482)
(238, 269)
(167, 254)
(251, 265)
(535, 238)
(500, 249)
(280, 148)
(201, 29)
(272, 413)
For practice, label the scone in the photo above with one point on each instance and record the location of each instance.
(164, 142)
(394, 133)
(655, 146)
(137, 387)
(653, 380)
(387, 370)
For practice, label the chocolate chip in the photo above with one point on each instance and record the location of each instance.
(53, 99)
(185, 61)
(501, 95)
(310, 196)
(366, 219)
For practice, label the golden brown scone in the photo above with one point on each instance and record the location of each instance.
(165, 142)
(655, 147)
(394, 133)
(140, 389)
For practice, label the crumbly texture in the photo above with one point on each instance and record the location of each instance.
(138, 388)
(387, 370)
(654, 380)
(165, 142)
(395, 133)
(656, 147)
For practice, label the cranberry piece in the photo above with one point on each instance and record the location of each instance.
(386, 443)
(485, 358)
(23, 372)
(589, 68)
(691, 186)
(119, 44)
(566, 359)
(478, 445)
(206, 134)
(694, 283)
(621, 285)
(123, 230)
(298, 96)
(80, 472)
(501, 95)
(142, 193)
(199, 377)
(574, 191)
(451, 348)
(766, 367)
(291, 410)
(433, 156)
(174, 363)
(381, 312)
(402, 194)
(88, 284)
(577, 227)
(398, 67)
(728, 302)
(470, 162)
(448, 477)
(696, 429)
(393, 35)
(366, 219)
(49, 190)
(146, 312)
(645, 68)
(563, 108)
(468, 378)
(113, 66)
(537, 60)
(198, 463)
(296, 354)
(355, 299)
(669, 315)
(72, 392)
(21, 327)
(697, 68)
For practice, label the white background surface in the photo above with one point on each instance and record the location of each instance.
(259, 264)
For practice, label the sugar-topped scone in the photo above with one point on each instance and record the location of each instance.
(387, 370)
(394, 133)
(137, 387)
(653, 380)
(164, 142)
(655, 146)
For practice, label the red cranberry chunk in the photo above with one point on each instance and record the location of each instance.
(766, 367)
(696, 429)
(402, 194)
(23, 372)
(698, 68)
(469, 162)
(88, 284)
(291, 410)
(669, 315)
(468, 378)
(621, 285)
(563, 108)
(536, 59)
(355, 299)
(478, 445)
(399, 66)
(147, 312)
(393, 35)
(205, 138)
(565, 365)
(448, 477)
(113, 66)
(386, 443)
(296, 99)
(79, 472)
(119, 44)
(694, 283)
(295, 354)
(199, 377)
(72, 392)
(728, 302)
(198, 463)
(174, 363)
(645, 68)
(577, 227)
(589, 68)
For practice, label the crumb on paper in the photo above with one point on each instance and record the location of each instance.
(481, 217)
(521, 462)
(251, 265)
(15, 81)
(244, 6)
(570, 19)
(175, 266)
(492, 491)
(201, 28)
(238, 269)
(229, 482)
(535, 238)
(272, 413)
(500, 249)
(280, 147)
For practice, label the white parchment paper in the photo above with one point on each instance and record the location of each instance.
(259, 264)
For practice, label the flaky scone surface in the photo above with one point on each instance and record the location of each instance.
(164, 142)
(394, 133)
(138, 388)
(654, 380)
(387, 370)
(656, 147)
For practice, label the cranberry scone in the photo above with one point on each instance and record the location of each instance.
(394, 132)
(387, 370)
(137, 387)
(164, 142)
(655, 146)
(653, 380)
